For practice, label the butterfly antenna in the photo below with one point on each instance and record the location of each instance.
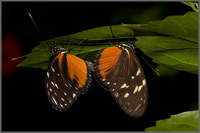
(68, 42)
(34, 22)
(113, 34)
(81, 42)
(110, 43)
(28, 55)
(40, 35)
(151, 66)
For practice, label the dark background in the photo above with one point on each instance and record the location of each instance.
(25, 106)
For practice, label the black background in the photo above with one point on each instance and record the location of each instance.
(25, 106)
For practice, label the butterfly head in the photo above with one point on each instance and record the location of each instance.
(54, 49)
(127, 47)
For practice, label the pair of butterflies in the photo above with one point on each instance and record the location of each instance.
(117, 69)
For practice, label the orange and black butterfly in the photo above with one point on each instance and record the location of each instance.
(67, 78)
(118, 70)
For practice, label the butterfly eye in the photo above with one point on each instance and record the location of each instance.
(53, 49)
(119, 71)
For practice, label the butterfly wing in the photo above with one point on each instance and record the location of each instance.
(120, 71)
(104, 63)
(67, 77)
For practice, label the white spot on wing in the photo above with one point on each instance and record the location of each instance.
(138, 72)
(124, 86)
(108, 83)
(74, 95)
(52, 83)
(50, 89)
(65, 93)
(56, 85)
(58, 74)
(114, 83)
(54, 100)
(66, 85)
(52, 69)
(137, 107)
(62, 99)
(144, 82)
(136, 88)
(70, 101)
(132, 77)
(116, 94)
(140, 87)
(130, 110)
(76, 88)
(126, 95)
(48, 74)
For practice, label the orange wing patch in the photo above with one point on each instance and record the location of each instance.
(108, 59)
(77, 69)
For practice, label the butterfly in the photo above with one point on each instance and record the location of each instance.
(118, 70)
(67, 78)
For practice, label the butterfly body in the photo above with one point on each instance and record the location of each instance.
(118, 70)
(67, 78)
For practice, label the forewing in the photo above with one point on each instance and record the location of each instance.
(104, 63)
(64, 82)
(127, 83)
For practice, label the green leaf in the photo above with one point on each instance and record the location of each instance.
(185, 27)
(100, 35)
(171, 52)
(42, 59)
(186, 121)
(172, 42)
(93, 37)
(193, 5)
